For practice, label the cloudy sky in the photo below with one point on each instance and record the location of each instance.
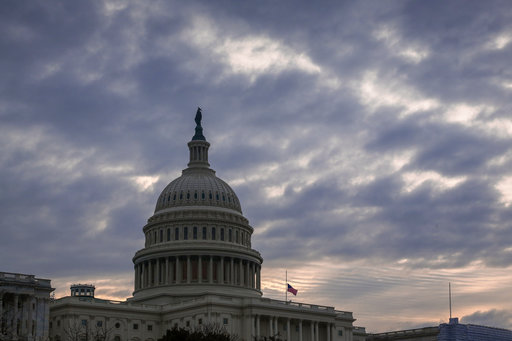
(369, 143)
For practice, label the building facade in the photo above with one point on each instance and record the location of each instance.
(452, 331)
(198, 268)
(24, 307)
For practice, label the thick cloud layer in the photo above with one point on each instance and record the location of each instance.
(369, 143)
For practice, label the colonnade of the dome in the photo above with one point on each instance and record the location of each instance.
(198, 269)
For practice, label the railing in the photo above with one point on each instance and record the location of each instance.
(299, 305)
(24, 278)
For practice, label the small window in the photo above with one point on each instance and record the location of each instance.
(174, 197)
(188, 195)
(210, 195)
(195, 232)
(188, 324)
(223, 197)
(297, 328)
(340, 332)
(214, 237)
(195, 195)
(181, 195)
(200, 321)
(117, 325)
(185, 233)
(169, 197)
(58, 323)
(168, 234)
(50, 324)
(84, 322)
(177, 233)
(236, 236)
(161, 236)
(217, 196)
(99, 323)
(202, 195)
(222, 234)
(150, 327)
(135, 326)
(225, 321)
(117, 338)
(204, 232)
(230, 235)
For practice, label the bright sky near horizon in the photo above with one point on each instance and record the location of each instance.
(369, 143)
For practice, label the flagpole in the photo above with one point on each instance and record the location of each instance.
(286, 290)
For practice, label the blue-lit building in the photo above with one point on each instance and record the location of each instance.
(455, 331)
(452, 331)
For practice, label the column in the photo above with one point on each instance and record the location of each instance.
(167, 270)
(158, 266)
(288, 338)
(135, 279)
(246, 277)
(15, 317)
(150, 271)
(172, 273)
(300, 330)
(199, 269)
(1, 305)
(232, 272)
(221, 277)
(257, 326)
(241, 273)
(143, 274)
(258, 277)
(271, 326)
(188, 270)
(210, 270)
(312, 324)
(46, 310)
(30, 318)
(179, 273)
(328, 332)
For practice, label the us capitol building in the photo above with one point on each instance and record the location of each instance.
(197, 268)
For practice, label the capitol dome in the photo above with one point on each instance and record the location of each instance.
(197, 241)
(198, 187)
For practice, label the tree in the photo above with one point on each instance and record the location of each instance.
(209, 332)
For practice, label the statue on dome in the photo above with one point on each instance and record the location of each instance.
(199, 117)
(199, 129)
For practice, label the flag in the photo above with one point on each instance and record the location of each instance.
(292, 290)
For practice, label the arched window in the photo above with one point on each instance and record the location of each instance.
(181, 195)
(230, 235)
(188, 195)
(202, 195)
(174, 198)
(204, 232)
(214, 237)
(222, 234)
(177, 233)
(210, 195)
(195, 232)
(185, 233)
(168, 234)
(161, 236)
(195, 195)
